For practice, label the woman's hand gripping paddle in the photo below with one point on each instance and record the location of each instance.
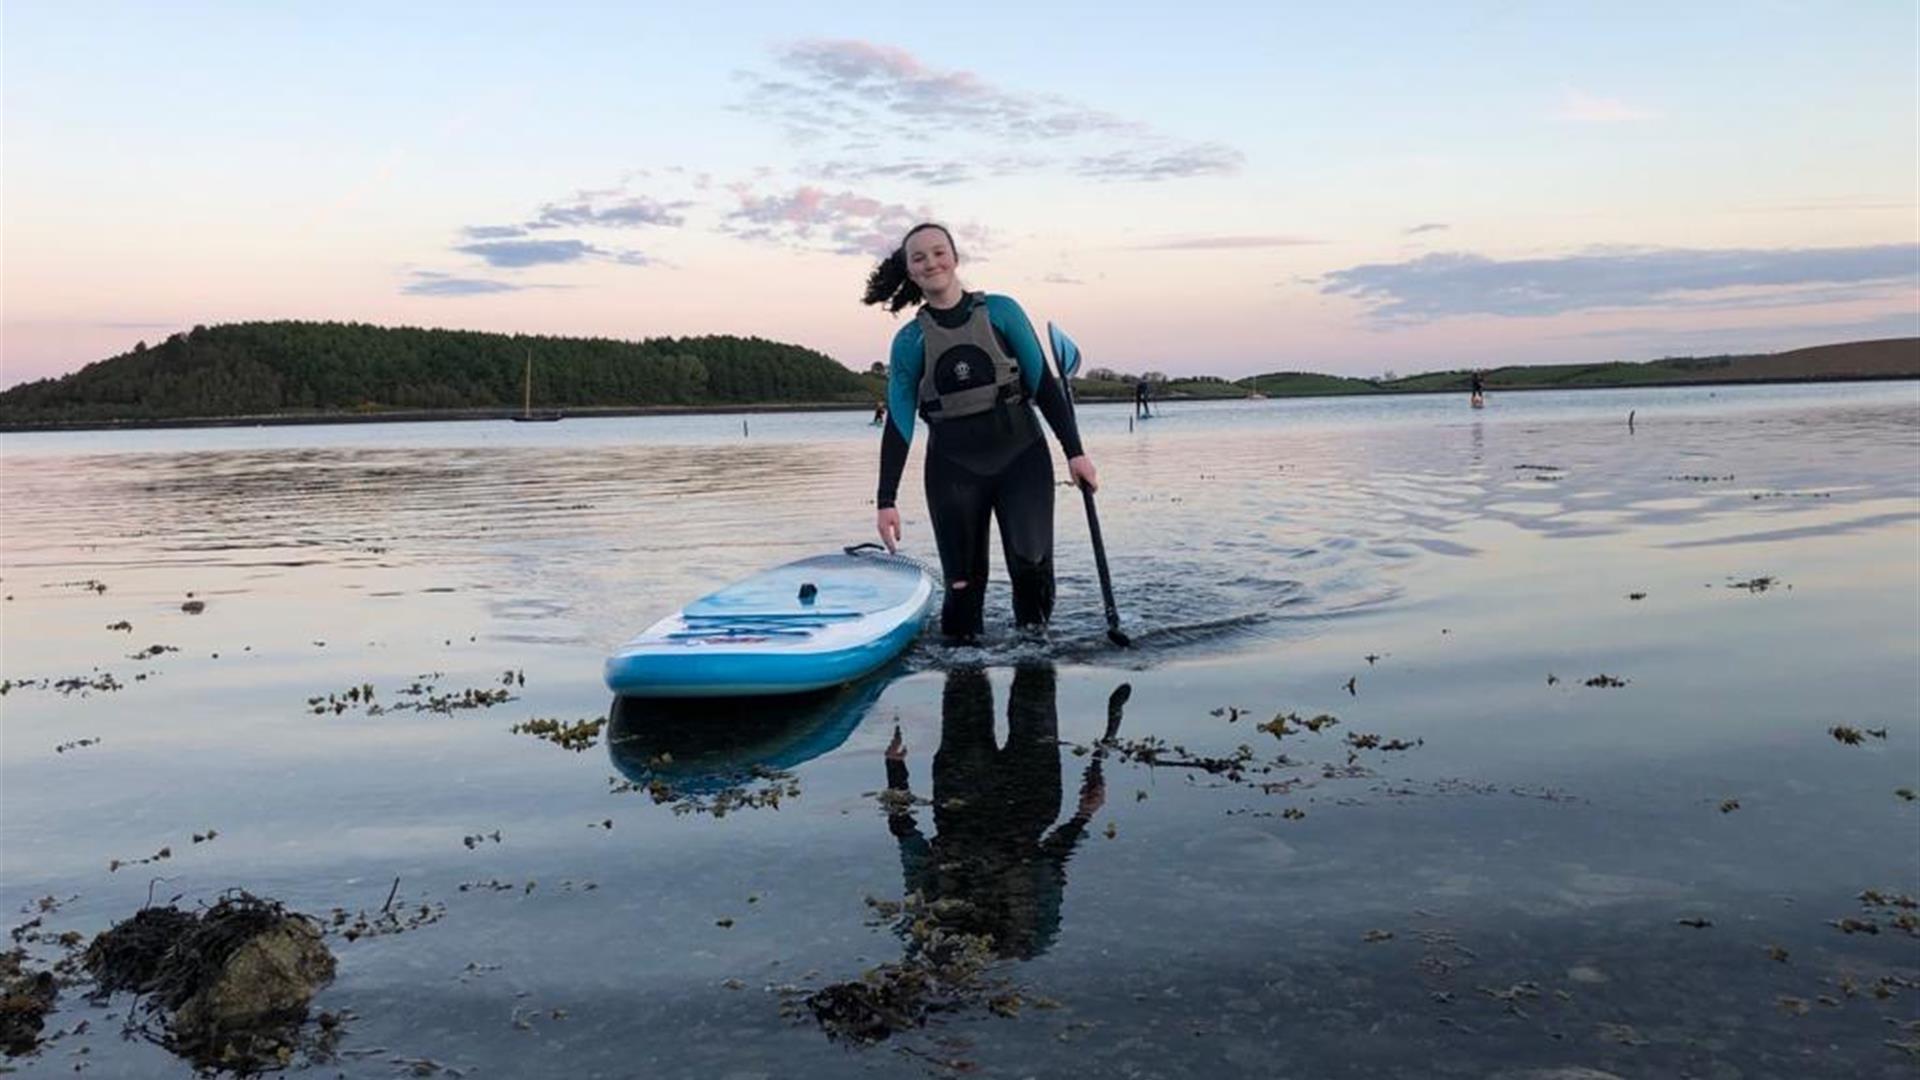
(1066, 358)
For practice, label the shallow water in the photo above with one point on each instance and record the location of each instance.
(1530, 852)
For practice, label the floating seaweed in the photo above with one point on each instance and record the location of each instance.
(422, 695)
(756, 788)
(946, 969)
(390, 919)
(162, 855)
(83, 685)
(576, 736)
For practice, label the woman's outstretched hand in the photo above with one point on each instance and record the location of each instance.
(1083, 473)
(888, 523)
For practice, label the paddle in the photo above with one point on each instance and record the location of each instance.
(1066, 357)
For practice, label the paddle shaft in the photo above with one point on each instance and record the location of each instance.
(1065, 367)
(1100, 562)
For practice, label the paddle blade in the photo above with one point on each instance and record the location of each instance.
(1066, 355)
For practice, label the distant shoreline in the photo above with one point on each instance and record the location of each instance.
(418, 416)
(415, 416)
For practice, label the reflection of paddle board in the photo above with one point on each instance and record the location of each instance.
(698, 747)
(807, 625)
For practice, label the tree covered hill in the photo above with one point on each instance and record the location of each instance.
(268, 368)
(308, 370)
(1887, 358)
(1896, 358)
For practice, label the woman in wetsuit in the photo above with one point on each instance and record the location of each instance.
(970, 364)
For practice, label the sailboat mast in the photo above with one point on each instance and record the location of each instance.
(526, 400)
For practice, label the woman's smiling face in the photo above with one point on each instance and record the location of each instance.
(931, 261)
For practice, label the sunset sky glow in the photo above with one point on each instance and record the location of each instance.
(1193, 188)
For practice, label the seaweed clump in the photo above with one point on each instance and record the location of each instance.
(128, 956)
(226, 988)
(948, 967)
(576, 736)
(26, 997)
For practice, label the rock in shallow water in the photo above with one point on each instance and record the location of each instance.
(230, 985)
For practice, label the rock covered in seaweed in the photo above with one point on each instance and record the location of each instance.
(229, 986)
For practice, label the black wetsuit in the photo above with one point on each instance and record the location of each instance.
(995, 463)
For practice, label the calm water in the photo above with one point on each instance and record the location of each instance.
(1530, 850)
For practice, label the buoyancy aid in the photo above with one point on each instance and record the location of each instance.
(966, 370)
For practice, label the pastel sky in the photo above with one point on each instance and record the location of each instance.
(1193, 187)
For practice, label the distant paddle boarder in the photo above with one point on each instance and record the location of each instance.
(971, 365)
(1478, 390)
(1142, 390)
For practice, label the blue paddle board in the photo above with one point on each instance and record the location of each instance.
(806, 625)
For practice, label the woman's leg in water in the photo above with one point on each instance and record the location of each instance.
(1023, 503)
(959, 502)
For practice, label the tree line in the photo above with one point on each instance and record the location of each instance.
(268, 368)
(265, 369)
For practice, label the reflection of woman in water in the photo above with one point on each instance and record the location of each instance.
(992, 807)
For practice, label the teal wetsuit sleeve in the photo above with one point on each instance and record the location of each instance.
(1017, 329)
(903, 398)
(904, 365)
(1035, 373)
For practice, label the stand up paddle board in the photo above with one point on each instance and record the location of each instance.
(807, 625)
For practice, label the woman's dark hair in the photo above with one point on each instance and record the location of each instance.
(889, 283)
